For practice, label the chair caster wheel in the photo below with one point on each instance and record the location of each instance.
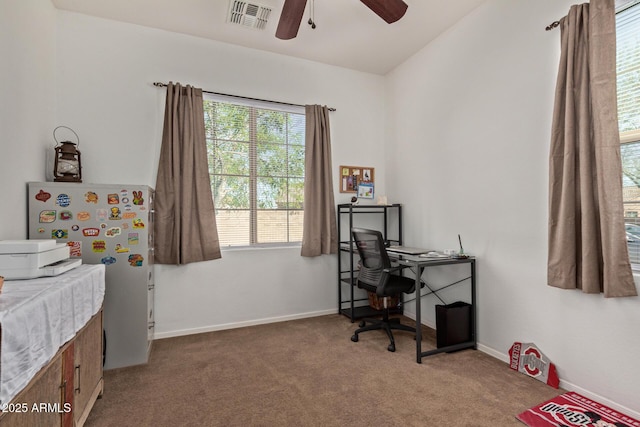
(391, 348)
(362, 323)
(354, 338)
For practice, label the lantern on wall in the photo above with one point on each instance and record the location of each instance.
(67, 164)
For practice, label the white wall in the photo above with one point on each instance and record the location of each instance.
(105, 93)
(470, 119)
(27, 109)
(464, 130)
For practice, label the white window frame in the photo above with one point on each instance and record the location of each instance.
(253, 197)
(630, 137)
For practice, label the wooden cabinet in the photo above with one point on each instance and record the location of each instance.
(87, 370)
(44, 388)
(64, 391)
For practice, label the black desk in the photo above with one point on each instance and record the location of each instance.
(419, 264)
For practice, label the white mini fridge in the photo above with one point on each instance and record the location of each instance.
(113, 225)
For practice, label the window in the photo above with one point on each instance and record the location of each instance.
(628, 82)
(256, 164)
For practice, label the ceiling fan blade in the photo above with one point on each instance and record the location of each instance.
(290, 18)
(389, 10)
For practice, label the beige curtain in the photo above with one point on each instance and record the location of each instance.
(587, 243)
(319, 235)
(185, 225)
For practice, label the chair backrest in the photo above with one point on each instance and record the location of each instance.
(373, 256)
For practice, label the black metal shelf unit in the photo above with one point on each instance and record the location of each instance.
(387, 219)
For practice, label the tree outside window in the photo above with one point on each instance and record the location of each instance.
(256, 164)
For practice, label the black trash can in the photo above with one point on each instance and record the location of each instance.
(453, 323)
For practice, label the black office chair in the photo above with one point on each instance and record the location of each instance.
(376, 275)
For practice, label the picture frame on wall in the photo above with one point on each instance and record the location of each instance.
(352, 177)
(365, 191)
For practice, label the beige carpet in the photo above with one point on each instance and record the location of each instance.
(308, 373)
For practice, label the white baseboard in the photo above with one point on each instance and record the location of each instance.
(566, 385)
(504, 357)
(235, 325)
(586, 393)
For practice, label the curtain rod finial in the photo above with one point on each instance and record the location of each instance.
(552, 25)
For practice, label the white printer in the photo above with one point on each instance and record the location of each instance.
(28, 259)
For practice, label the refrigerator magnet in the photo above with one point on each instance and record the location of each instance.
(108, 260)
(121, 249)
(75, 249)
(115, 214)
(113, 232)
(101, 215)
(47, 216)
(138, 200)
(43, 196)
(91, 197)
(63, 200)
(65, 215)
(90, 232)
(59, 234)
(136, 260)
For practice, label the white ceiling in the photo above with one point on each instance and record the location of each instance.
(348, 34)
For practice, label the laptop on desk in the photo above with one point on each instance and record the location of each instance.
(407, 250)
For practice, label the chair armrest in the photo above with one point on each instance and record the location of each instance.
(395, 269)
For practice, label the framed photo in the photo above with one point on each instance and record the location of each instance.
(365, 191)
(352, 177)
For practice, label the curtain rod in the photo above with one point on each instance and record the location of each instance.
(160, 84)
(621, 7)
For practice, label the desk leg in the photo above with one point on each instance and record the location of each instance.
(419, 271)
(474, 318)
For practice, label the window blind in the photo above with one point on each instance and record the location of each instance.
(628, 68)
(256, 164)
(628, 86)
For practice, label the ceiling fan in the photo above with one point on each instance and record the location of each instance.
(292, 11)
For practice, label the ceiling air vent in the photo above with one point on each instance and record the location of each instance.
(248, 14)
